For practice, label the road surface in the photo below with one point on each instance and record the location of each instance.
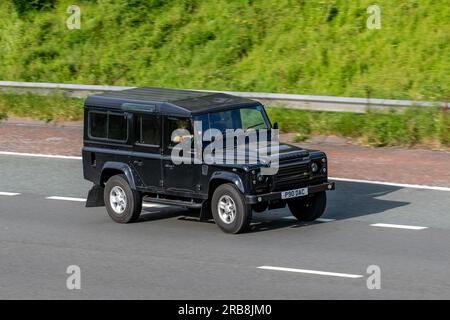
(170, 255)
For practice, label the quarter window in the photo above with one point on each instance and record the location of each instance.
(105, 125)
(98, 125)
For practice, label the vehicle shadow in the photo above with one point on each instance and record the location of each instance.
(349, 200)
(167, 212)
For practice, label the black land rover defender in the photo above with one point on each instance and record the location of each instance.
(128, 150)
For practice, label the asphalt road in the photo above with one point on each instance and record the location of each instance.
(170, 255)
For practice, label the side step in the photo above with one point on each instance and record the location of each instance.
(171, 202)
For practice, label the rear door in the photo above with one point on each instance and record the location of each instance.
(146, 159)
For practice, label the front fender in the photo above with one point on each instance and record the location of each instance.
(228, 176)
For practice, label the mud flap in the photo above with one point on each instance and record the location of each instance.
(205, 211)
(95, 197)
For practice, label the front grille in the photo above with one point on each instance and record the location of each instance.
(291, 175)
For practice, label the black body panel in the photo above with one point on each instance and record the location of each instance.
(149, 168)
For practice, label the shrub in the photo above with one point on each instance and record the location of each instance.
(24, 6)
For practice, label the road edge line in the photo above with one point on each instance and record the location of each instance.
(393, 184)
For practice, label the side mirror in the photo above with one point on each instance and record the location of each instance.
(275, 125)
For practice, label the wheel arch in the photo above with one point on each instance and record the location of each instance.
(221, 177)
(113, 168)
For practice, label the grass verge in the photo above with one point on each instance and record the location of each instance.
(56, 107)
(414, 126)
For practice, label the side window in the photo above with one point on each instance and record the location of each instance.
(104, 125)
(98, 125)
(172, 124)
(149, 130)
(117, 127)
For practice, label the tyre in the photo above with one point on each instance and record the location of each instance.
(230, 212)
(309, 208)
(123, 204)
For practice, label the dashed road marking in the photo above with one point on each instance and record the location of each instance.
(325, 220)
(322, 273)
(9, 194)
(397, 226)
(66, 199)
(145, 205)
(318, 220)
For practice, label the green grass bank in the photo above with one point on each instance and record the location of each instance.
(289, 46)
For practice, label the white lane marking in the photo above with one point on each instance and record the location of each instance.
(397, 226)
(319, 220)
(145, 205)
(9, 194)
(38, 155)
(322, 273)
(66, 199)
(325, 220)
(401, 185)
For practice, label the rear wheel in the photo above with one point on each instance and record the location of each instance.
(309, 208)
(123, 204)
(229, 209)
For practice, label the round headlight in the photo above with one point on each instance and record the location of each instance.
(314, 167)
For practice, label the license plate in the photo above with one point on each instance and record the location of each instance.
(294, 193)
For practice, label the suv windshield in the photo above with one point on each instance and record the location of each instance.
(242, 118)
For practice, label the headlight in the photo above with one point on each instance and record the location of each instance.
(314, 167)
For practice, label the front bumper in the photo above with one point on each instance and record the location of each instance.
(264, 197)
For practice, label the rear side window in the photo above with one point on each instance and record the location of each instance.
(98, 125)
(117, 127)
(149, 130)
(103, 125)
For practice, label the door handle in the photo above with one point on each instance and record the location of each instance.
(138, 162)
(169, 166)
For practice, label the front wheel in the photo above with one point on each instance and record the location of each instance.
(123, 204)
(309, 208)
(229, 209)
